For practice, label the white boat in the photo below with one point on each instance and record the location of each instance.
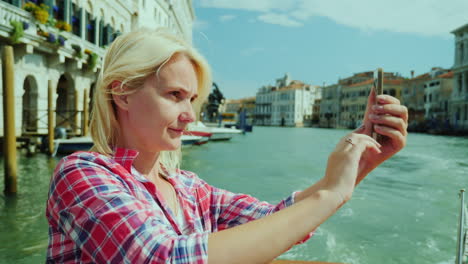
(218, 133)
(190, 140)
(70, 145)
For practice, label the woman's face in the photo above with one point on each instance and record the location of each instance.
(159, 111)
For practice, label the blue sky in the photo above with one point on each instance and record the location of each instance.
(250, 43)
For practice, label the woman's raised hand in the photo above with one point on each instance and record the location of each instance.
(390, 119)
(343, 163)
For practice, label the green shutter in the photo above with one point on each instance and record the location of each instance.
(67, 11)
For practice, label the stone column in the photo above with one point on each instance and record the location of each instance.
(465, 52)
(83, 22)
(463, 82)
(67, 11)
(97, 29)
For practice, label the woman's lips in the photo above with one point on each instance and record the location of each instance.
(176, 130)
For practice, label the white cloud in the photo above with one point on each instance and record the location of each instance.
(424, 17)
(252, 5)
(226, 18)
(279, 19)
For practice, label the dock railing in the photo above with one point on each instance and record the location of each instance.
(462, 232)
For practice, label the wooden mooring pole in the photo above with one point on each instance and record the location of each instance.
(9, 137)
(76, 125)
(50, 117)
(84, 129)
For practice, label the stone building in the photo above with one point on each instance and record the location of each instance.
(437, 96)
(330, 106)
(354, 98)
(426, 98)
(64, 46)
(413, 99)
(287, 103)
(236, 105)
(459, 103)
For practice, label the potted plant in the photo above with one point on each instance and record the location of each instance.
(17, 32)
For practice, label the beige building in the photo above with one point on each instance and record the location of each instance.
(437, 96)
(459, 103)
(330, 106)
(413, 99)
(235, 106)
(422, 93)
(354, 99)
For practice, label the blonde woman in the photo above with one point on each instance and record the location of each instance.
(127, 201)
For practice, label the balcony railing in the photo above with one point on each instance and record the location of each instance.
(33, 41)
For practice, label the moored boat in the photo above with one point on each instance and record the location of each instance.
(218, 133)
(70, 145)
(205, 136)
(190, 140)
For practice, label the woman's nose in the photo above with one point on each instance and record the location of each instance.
(187, 116)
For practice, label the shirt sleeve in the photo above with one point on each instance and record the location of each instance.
(97, 211)
(229, 209)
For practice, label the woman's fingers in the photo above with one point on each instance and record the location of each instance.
(392, 109)
(387, 99)
(398, 138)
(397, 123)
(359, 143)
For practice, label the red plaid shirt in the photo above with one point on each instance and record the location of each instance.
(99, 212)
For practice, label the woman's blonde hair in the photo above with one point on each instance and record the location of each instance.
(130, 59)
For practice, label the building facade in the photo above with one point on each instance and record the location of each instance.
(459, 104)
(62, 47)
(413, 99)
(330, 106)
(354, 98)
(288, 103)
(437, 95)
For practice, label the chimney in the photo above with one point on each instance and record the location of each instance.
(412, 74)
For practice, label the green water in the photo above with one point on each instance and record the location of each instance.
(406, 211)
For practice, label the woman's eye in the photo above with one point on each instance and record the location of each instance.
(175, 93)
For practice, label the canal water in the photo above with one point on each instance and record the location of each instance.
(406, 211)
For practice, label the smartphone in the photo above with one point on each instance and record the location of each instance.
(378, 88)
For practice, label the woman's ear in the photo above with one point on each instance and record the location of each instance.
(119, 99)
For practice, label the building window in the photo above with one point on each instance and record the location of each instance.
(466, 111)
(460, 83)
(76, 20)
(462, 52)
(91, 30)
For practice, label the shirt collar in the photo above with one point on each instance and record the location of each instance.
(125, 157)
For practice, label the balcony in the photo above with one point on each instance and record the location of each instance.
(73, 47)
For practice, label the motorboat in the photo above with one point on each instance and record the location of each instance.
(67, 146)
(205, 136)
(218, 133)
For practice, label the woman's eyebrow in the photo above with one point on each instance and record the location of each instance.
(180, 88)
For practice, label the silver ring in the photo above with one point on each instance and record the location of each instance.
(350, 141)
